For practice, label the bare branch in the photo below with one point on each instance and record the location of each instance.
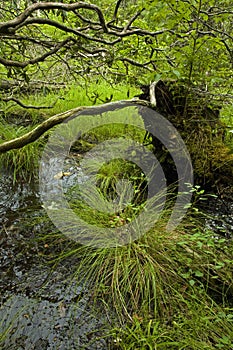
(117, 8)
(10, 63)
(45, 43)
(208, 13)
(32, 85)
(138, 64)
(34, 134)
(137, 31)
(119, 32)
(9, 27)
(85, 19)
(21, 104)
(68, 29)
(216, 30)
(51, 23)
(133, 19)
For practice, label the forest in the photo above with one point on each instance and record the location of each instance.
(116, 169)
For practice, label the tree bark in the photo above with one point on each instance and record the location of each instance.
(38, 131)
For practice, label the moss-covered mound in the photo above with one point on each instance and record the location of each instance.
(198, 122)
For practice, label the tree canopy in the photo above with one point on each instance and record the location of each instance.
(191, 39)
(135, 42)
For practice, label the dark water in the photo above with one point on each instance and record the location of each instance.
(41, 307)
(219, 212)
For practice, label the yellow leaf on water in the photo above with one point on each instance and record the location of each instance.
(61, 174)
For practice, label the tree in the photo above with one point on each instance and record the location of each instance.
(189, 40)
(76, 37)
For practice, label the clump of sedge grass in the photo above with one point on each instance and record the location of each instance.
(23, 161)
(165, 290)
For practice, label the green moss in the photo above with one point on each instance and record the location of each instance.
(198, 120)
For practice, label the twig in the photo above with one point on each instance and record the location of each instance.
(10, 63)
(138, 64)
(20, 103)
(133, 19)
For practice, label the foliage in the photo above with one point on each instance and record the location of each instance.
(129, 42)
(205, 327)
(25, 161)
(166, 290)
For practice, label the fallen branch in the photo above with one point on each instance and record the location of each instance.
(34, 134)
(32, 85)
(21, 104)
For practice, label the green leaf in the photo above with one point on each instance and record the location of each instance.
(192, 282)
(199, 273)
(176, 73)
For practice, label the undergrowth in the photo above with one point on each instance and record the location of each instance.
(23, 162)
(164, 291)
(15, 122)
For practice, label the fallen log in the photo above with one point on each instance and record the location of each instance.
(39, 130)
